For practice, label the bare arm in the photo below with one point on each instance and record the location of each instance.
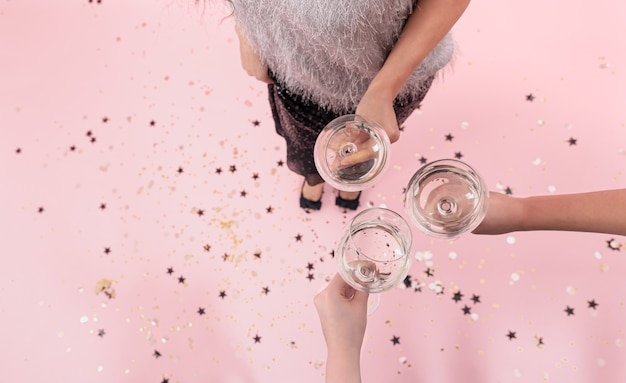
(595, 212)
(427, 25)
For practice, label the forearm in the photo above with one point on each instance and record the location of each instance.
(343, 366)
(598, 212)
(427, 25)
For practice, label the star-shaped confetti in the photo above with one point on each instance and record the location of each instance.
(243, 193)
(395, 340)
(475, 298)
(569, 310)
(280, 163)
(466, 310)
(107, 250)
(457, 296)
(103, 206)
(511, 335)
(40, 209)
(310, 266)
(201, 311)
(298, 237)
(449, 137)
(530, 97)
(170, 270)
(458, 155)
(181, 279)
(101, 333)
(592, 304)
(572, 141)
(218, 171)
(180, 170)
(255, 176)
(200, 212)
(207, 247)
(614, 245)
(232, 168)
(18, 150)
(256, 122)
(430, 272)
(266, 290)
(222, 294)
(269, 209)
(423, 160)
(257, 254)
(257, 338)
(156, 354)
(310, 277)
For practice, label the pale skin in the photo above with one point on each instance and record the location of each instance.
(595, 212)
(343, 314)
(427, 25)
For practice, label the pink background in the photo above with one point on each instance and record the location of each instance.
(116, 116)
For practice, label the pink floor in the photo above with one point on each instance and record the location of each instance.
(151, 233)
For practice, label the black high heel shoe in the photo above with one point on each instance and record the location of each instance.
(307, 203)
(351, 204)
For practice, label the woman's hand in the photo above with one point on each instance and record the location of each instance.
(343, 313)
(250, 60)
(379, 109)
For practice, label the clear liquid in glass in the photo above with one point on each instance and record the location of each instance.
(373, 256)
(446, 199)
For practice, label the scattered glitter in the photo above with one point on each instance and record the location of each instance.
(84, 319)
(597, 255)
(464, 125)
(540, 122)
(515, 277)
(510, 240)
(452, 255)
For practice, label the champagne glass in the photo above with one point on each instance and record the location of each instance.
(351, 153)
(446, 198)
(373, 252)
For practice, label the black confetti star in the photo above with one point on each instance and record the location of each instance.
(18, 150)
(200, 212)
(407, 281)
(156, 354)
(257, 254)
(466, 310)
(232, 168)
(107, 250)
(103, 206)
(530, 97)
(592, 304)
(508, 191)
(511, 335)
(395, 340)
(170, 270)
(207, 247)
(181, 279)
(475, 298)
(269, 209)
(225, 257)
(218, 170)
(449, 137)
(423, 160)
(243, 193)
(457, 296)
(257, 338)
(572, 141)
(72, 148)
(569, 310)
(89, 133)
(255, 176)
(93, 140)
(201, 311)
(105, 119)
(40, 210)
(256, 123)
(266, 290)
(310, 266)
(298, 237)
(310, 277)
(614, 245)
(280, 163)
(180, 170)
(222, 294)
(430, 272)
(101, 333)
(152, 122)
(458, 155)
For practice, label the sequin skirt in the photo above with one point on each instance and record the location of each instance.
(300, 122)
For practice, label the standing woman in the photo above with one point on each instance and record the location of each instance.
(326, 58)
